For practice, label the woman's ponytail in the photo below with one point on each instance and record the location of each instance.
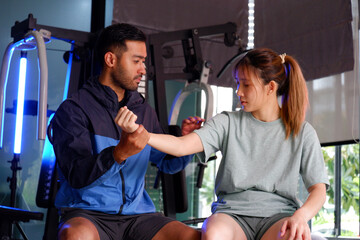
(294, 97)
(286, 72)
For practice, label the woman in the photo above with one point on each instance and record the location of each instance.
(265, 148)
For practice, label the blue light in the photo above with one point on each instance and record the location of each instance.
(68, 73)
(20, 103)
(48, 152)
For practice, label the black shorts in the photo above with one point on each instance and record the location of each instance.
(114, 226)
(255, 227)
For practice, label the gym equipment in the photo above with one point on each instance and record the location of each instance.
(27, 43)
(29, 35)
(80, 68)
(196, 73)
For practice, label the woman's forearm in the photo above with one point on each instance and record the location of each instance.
(176, 146)
(314, 202)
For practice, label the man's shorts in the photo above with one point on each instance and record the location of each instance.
(255, 227)
(115, 226)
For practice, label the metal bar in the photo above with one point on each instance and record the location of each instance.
(21, 231)
(197, 50)
(159, 89)
(67, 34)
(3, 83)
(337, 191)
(43, 85)
(97, 15)
(184, 34)
(20, 29)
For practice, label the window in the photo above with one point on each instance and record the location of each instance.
(340, 215)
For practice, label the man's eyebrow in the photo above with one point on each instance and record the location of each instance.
(138, 56)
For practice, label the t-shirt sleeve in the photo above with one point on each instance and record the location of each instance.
(213, 134)
(313, 169)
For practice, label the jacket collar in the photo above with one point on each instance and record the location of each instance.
(108, 98)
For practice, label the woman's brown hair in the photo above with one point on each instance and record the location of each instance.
(286, 72)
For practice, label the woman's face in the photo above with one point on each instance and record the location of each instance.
(251, 91)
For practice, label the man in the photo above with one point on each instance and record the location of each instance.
(101, 169)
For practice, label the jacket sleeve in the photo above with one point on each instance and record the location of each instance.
(73, 147)
(167, 163)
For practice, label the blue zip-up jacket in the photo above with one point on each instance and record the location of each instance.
(84, 136)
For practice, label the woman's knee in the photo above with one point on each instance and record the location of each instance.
(216, 233)
(213, 233)
(221, 226)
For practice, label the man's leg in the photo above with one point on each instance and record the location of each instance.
(176, 230)
(78, 228)
(222, 226)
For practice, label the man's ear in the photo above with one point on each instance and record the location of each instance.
(110, 59)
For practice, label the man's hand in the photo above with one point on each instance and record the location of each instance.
(131, 144)
(190, 124)
(126, 120)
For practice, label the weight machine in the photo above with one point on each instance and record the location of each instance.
(196, 74)
(81, 66)
(29, 35)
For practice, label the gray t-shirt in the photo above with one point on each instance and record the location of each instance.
(259, 172)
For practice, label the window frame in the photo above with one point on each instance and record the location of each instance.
(338, 189)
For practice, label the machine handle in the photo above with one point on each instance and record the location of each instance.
(202, 167)
(3, 82)
(43, 85)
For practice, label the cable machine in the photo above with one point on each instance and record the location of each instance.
(195, 73)
(29, 35)
(80, 67)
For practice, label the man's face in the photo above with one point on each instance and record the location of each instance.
(131, 66)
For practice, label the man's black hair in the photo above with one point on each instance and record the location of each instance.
(114, 36)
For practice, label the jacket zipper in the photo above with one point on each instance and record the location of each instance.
(122, 190)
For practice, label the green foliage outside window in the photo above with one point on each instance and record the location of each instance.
(349, 176)
(349, 184)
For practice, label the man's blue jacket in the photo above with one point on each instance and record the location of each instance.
(84, 136)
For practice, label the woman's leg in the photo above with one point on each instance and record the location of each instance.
(275, 230)
(222, 226)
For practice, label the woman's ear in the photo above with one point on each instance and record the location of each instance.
(272, 87)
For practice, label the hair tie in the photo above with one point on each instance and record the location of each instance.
(287, 70)
(282, 56)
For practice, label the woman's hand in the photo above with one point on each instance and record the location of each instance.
(190, 124)
(295, 228)
(126, 120)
